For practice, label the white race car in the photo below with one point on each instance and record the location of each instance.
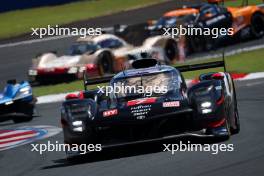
(99, 55)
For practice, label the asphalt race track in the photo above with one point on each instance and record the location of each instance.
(143, 159)
(148, 159)
(16, 60)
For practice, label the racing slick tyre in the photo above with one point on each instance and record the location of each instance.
(23, 119)
(237, 122)
(209, 44)
(236, 115)
(228, 129)
(105, 63)
(28, 116)
(171, 49)
(257, 25)
(197, 44)
(220, 133)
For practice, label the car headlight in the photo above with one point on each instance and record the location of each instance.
(73, 70)
(206, 104)
(32, 72)
(77, 123)
(78, 129)
(82, 69)
(206, 107)
(78, 126)
(206, 111)
(25, 91)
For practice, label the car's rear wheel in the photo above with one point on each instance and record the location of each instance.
(209, 44)
(105, 63)
(171, 51)
(257, 25)
(197, 44)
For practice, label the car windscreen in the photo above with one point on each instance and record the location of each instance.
(154, 85)
(208, 11)
(167, 21)
(110, 43)
(81, 48)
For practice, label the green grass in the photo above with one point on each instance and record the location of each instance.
(239, 2)
(21, 21)
(61, 88)
(248, 62)
(241, 63)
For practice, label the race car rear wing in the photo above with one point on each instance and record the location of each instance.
(203, 66)
(99, 80)
(184, 68)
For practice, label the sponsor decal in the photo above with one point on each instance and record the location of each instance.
(171, 104)
(10, 138)
(141, 101)
(140, 111)
(215, 20)
(110, 113)
(218, 87)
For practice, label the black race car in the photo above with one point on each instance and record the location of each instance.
(208, 108)
(213, 25)
(233, 23)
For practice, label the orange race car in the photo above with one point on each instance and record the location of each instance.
(241, 22)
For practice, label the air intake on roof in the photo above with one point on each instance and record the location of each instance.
(144, 63)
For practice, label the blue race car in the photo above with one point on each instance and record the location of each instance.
(17, 102)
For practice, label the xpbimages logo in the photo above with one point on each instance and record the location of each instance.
(63, 31)
(122, 89)
(189, 147)
(58, 147)
(190, 30)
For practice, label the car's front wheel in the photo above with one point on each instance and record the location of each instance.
(237, 124)
(105, 63)
(28, 112)
(22, 119)
(257, 25)
(171, 51)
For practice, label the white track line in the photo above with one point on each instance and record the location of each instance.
(28, 42)
(230, 53)
(52, 98)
